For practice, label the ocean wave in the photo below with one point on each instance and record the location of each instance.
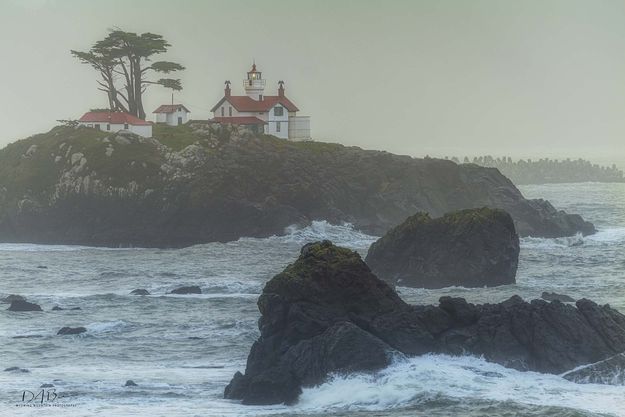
(106, 327)
(414, 381)
(603, 236)
(342, 235)
(551, 243)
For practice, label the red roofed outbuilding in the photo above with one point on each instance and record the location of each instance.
(110, 121)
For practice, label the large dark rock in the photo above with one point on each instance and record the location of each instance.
(328, 313)
(193, 289)
(140, 291)
(22, 305)
(251, 186)
(468, 248)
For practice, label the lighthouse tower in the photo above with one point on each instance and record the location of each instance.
(254, 84)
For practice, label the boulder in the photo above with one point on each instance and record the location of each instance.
(130, 383)
(328, 313)
(552, 296)
(21, 305)
(139, 291)
(10, 298)
(193, 289)
(16, 369)
(468, 248)
(71, 330)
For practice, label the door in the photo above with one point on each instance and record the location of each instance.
(179, 121)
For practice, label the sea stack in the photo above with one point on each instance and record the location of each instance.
(467, 248)
(328, 313)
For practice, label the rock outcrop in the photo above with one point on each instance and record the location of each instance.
(140, 291)
(23, 305)
(328, 313)
(12, 297)
(198, 183)
(468, 248)
(553, 296)
(71, 330)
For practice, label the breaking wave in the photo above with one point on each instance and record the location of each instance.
(343, 234)
(416, 381)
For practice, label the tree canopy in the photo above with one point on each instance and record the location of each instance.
(125, 64)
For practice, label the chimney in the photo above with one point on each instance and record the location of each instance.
(227, 89)
(280, 88)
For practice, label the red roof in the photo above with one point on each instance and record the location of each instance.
(245, 103)
(115, 118)
(170, 108)
(247, 120)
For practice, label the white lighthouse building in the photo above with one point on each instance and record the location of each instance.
(273, 115)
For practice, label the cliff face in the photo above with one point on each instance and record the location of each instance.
(198, 183)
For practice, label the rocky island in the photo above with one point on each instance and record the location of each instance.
(202, 182)
(328, 313)
(468, 248)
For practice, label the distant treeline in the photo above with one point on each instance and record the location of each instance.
(545, 170)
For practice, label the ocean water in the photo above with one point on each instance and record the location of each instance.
(182, 350)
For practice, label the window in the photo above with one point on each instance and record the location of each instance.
(230, 111)
(108, 127)
(260, 97)
(277, 126)
(97, 127)
(278, 111)
(222, 112)
(89, 125)
(126, 126)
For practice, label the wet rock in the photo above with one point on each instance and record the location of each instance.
(139, 291)
(327, 313)
(16, 369)
(20, 305)
(552, 296)
(193, 289)
(46, 386)
(130, 383)
(468, 248)
(13, 297)
(57, 308)
(71, 330)
(42, 267)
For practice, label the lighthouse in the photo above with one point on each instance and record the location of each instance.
(254, 84)
(272, 115)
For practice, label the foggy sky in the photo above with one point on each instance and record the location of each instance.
(521, 78)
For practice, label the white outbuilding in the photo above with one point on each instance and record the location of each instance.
(110, 121)
(172, 114)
